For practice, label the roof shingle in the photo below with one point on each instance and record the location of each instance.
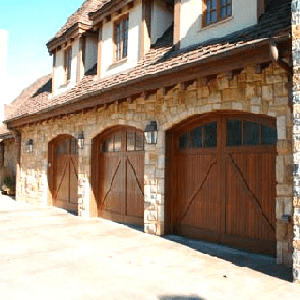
(161, 57)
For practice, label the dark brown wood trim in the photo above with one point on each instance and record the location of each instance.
(260, 8)
(176, 33)
(232, 60)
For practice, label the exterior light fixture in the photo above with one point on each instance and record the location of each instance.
(151, 133)
(80, 139)
(29, 146)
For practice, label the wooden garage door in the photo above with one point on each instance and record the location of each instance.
(66, 174)
(222, 185)
(121, 176)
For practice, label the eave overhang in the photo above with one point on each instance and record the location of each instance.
(237, 58)
(71, 33)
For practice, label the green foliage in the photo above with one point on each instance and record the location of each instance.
(10, 182)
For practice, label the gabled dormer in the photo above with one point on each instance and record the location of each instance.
(197, 21)
(126, 31)
(114, 35)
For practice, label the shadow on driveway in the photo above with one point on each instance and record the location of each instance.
(262, 263)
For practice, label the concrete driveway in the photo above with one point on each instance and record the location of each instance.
(49, 254)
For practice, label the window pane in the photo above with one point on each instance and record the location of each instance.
(62, 148)
(210, 135)
(108, 145)
(139, 141)
(223, 2)
(214, 17)
(223, 12)
(234, 133)
(196, 137)
(118, 141)
(229, 11)
(208, 5)
(251, 133)
(130, 140)
(183, 141)
(214, 4)
(268, 135)
(207, 18)
(74, 148)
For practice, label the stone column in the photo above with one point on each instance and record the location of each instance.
(154, 186)
(296, 135)
(84, 161)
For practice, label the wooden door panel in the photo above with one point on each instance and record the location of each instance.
(197, 202)
(135, 185)
(111, 183)
(73, 180)
(66, 174)
(249, 205)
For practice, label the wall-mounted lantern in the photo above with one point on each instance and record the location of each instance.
(151, 133)
(29, 146)
(80, 138)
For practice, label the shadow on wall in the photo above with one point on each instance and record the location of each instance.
(180, 297)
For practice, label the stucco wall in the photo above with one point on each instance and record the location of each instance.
(59, 70)
(244, 14)
(249, 92)
(161, 18)
(108, 66)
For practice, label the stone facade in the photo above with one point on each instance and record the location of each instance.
(296, 135)
(264, 93)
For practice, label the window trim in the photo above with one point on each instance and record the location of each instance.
(118, 21)
(219, 19)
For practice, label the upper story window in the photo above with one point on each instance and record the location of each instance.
(68, 62)
(121, 38)
(216, 10)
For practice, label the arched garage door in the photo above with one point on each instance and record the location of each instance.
(63, 171)
(222, 183)
(118, 170)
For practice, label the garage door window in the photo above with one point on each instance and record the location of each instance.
(246, 133)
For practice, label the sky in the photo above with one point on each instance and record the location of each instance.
(30, 24)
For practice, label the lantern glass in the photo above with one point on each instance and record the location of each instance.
(29, 146)
(80, 139)
(151, 133)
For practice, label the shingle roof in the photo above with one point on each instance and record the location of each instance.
(163, 57)
(4, 132)
(80, 16)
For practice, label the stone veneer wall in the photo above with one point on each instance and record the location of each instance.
(296, 134)
(264, 93)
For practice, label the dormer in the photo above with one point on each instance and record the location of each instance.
(210, 19)
(126, 31)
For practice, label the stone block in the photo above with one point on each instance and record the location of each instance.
(284, 190)
(150, 228)
(160, 199)
(280, 169)
(150, 216)
(267, 93)
(281, 128)
(281, 231)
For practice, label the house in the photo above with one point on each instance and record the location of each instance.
(178, 116)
